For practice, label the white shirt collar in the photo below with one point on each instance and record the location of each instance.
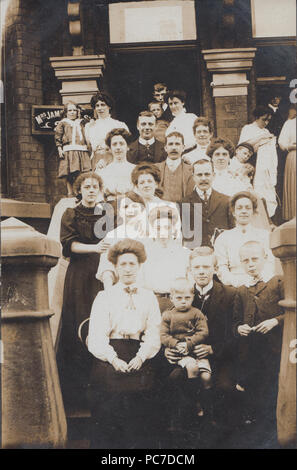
(164, 106)
(205, 289)
(274, 108)
(146, 142)
(250, 281)
(201, 194)
(173, 164)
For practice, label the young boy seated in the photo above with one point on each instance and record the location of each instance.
(257, 322)
(243, 154)
(183, 327)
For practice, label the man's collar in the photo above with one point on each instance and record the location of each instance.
(205, 289)
(201, 193)
(274, 108)
(173, 164)
(146, 142)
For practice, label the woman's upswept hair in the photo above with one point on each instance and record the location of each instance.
(81, 178)
(218, 142)
(240, 195)
(262, 110)
(118, 131)
(100, 96)
(145, 169)
(127, 246)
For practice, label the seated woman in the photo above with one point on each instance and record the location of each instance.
(183, 122)
(287, 142)
(228, 243)
(203, 132)
(99, 127)
(124, 335)
(117, 175)
(264, 144)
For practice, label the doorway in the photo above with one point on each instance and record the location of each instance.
(133, 73)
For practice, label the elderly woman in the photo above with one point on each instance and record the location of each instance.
(228, 243)
(183, 122)
(203, 132)
(100, 126)
(287, 142)
(264, 144)
(124, 336)
(117, 175)
(83, 247)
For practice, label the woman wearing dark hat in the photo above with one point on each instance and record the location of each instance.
(124, 336)
(97, 129)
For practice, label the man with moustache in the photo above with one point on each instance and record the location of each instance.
(205, 201)
(146, 147)
(176, 176)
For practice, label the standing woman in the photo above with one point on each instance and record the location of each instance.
(264, 144)
(117, 175)
(124, 335)
(287, 141)
(72, 146)
(183, 122)
(97, 129)
(83, 247)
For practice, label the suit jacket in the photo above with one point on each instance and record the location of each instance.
(188, 182)
(158, 152)
(218, 309)
(167, 115)
(261, 301)
(276, 122)
(216, 214)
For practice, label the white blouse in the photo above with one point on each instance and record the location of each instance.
(97, 130)
(111, 317)
(183, 123)
(117, 177)
(287, 135)
(227, 246)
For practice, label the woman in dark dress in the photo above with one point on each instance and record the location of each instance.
(83, 247)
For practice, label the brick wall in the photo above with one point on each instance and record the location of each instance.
(231, 116)
(23, 87)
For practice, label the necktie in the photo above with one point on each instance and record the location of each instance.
(204, 197)
(131, 291)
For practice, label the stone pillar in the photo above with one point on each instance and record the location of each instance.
(283, 244)
(229, 68)
(32, 408)
(79, 76)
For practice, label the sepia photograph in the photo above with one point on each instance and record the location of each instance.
(148, 227)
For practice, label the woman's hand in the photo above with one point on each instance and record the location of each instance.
(265, 326)
(244, 330)
(61, 153)
(119, 365)
(134, 364)
(102, 246)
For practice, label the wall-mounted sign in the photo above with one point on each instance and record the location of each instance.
(45, 119)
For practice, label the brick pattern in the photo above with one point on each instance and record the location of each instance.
(23, 89)
(231, 116)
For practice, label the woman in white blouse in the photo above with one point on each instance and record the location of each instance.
(117, 175)
(228, 243)
(98, 128)
(124, 335)
(183, 122)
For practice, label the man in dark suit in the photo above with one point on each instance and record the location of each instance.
(176, 176)
(146, 147)
(257, 323)
(277, 119)
(204, 205)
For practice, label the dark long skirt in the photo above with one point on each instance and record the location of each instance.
(74, 360)
(122, 404)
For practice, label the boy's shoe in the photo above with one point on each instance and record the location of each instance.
(239, 388)
(199, 410)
